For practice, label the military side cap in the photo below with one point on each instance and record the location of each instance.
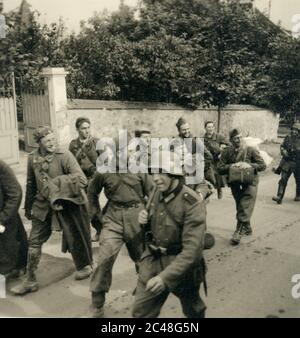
(181, 122)
(234, 132)
(41, 132)
(140, 131)
(80, 121)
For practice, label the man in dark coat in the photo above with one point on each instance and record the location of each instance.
(84, 148)
(13, 238)
(290, 164)
(244, 194)
(214, 143)
(44, 165)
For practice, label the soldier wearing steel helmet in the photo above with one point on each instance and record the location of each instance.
(290, 164)
(173, 258)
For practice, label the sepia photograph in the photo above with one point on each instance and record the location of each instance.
(149, 161)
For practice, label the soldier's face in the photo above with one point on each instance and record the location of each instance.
(84, 130)
(162, 181)
(210, 128)
(146, 137)
(48, 143)
(185, 130)
(236, 141)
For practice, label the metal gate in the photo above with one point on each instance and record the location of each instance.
(9, 140)
(36, 110)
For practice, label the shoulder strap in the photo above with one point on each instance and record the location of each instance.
(245, 154)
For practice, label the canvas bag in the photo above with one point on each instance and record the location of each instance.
(241, 176)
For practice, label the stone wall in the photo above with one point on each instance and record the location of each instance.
(109, 116)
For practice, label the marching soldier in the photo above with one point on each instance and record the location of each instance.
(45, 164)
(143, 148)
(214, 143)
(126, 193)
(84, 148)
(290, 164)
(183, 147)
(173, 260)
(244, 194)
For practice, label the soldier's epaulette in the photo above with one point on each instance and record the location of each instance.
(190, 198)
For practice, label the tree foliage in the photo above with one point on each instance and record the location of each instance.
(191, 52)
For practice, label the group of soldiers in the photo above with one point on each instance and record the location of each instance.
(157, 215)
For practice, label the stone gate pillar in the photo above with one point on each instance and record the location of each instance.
(56, 87)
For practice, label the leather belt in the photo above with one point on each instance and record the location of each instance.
(128, 205)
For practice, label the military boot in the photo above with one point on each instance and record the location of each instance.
(95, 312)
(30, 283)
(84, 273)
(246, 230)
(237, 236)
(280, 194)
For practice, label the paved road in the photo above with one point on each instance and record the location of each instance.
(252, 280)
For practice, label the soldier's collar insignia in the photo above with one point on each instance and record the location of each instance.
(173, 193)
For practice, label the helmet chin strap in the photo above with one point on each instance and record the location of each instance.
(173, 179)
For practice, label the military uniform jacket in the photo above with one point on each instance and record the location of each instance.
(86, 154)
(292, 146)
(213, 144)
(177, 220)
(232, 155)
(119, 188)
(57, 164)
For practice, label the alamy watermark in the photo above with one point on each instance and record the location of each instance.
(2, 287)
(296, 26)
(296, 287)
(136, 155)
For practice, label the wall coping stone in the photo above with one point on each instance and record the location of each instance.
(77, 104)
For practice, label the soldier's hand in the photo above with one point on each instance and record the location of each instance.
(245, 165)
(143, 217)
(156, 285)
(2, 229)
(284, 152)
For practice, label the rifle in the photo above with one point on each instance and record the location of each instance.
(146, 228)
(84, 147)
